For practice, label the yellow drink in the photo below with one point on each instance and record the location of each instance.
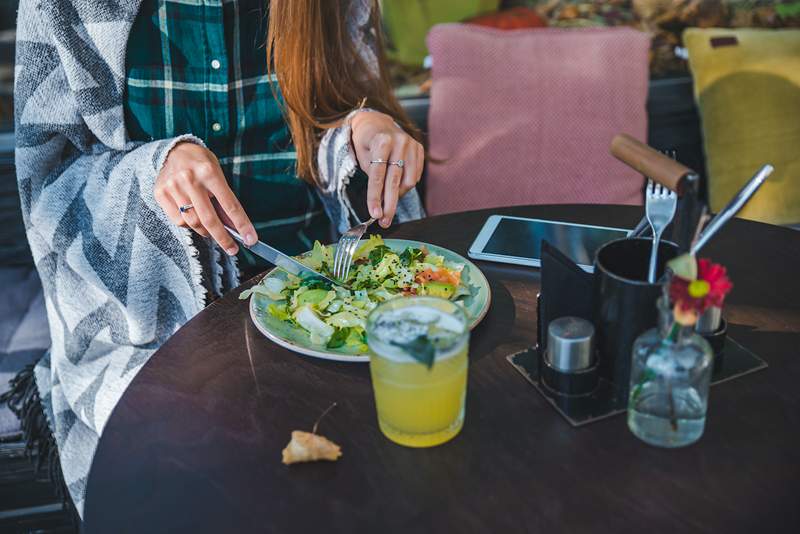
(417, 405)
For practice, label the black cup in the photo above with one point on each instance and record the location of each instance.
(625, 303)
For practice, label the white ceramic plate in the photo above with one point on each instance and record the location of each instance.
(296, 339)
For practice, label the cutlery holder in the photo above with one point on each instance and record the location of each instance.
(625, 303)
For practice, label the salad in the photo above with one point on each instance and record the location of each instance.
(335, 316)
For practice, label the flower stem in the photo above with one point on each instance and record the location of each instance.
(672, 337)
(673, 417)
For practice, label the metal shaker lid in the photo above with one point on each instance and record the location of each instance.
(570, 343)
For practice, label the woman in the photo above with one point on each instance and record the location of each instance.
(137, 119)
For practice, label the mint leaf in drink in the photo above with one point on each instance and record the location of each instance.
(420, 348)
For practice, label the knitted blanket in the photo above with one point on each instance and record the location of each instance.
(118, 277)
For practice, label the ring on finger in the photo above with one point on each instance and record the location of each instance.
(185, 207)
(380, 161)
(400, 163)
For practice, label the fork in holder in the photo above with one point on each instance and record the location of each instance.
(660, 205)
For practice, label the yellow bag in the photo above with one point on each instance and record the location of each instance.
(747, 86)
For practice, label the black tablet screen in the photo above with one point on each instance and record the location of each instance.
(523, 238)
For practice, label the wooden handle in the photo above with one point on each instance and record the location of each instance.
(649, 162)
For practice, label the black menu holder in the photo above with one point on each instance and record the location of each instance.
(565, 287)
(566, 290)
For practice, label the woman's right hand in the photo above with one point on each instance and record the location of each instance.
(192, 176)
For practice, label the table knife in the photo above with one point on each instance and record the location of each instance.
(279, 259)
(733, 207)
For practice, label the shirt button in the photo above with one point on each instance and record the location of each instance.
(216, 127)
(215, 64)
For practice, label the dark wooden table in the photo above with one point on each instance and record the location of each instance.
(195, 443)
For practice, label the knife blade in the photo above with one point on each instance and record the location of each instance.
(281, 260)
(733, 207)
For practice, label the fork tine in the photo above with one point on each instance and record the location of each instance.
(347, 261)
(337, 261)
(351, 254)
(344, 261)
(336, 258)
(346, 257)
(346, 248)
(344, 244)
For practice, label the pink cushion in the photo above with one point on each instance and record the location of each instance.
(527, 116)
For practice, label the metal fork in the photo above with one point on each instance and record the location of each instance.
(660, 204)
(346, 249)
(639, 229)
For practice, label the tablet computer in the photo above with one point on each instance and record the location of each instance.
(518, 240)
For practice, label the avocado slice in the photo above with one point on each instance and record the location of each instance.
(439, 289)
(312, 296)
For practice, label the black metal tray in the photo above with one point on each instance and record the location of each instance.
(604, 401)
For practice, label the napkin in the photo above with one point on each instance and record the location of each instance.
(566, 290)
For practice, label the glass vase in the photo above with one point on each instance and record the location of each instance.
(670, 376)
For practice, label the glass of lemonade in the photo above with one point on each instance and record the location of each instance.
(419, 351)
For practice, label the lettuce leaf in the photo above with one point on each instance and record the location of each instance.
(373, 242)
(279, 311)
(320, 332)
(345, 319)
(356, 339)
(411, 255)
(319, 254)
(338, 338)
(270, 287)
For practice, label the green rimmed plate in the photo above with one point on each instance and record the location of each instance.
(296, 339)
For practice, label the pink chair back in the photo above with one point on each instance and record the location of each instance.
(527, 116)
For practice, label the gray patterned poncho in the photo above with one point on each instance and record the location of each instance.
(118, 278)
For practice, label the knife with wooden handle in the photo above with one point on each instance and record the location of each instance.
(652, 163)
(669, 173)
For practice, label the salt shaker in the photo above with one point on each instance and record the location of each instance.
(570, 344)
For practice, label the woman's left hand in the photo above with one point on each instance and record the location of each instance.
(377, 137)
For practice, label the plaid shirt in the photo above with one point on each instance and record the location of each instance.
(199, 66)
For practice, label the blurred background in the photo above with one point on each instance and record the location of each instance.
(407, 21)
(674, 118)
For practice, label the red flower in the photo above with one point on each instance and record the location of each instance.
(717, 278)
(708, 290)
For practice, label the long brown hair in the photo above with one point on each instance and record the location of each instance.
(321, 74)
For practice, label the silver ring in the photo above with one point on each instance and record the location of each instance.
(400, 163)
(378, 161)
(185, 208)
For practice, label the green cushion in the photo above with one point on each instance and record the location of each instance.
(747, 86)
(407, 23)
